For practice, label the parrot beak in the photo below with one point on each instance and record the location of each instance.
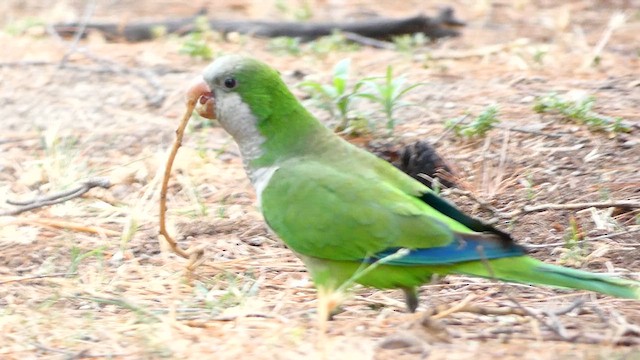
(201, 95)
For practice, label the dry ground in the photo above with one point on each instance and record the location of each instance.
(88, 278)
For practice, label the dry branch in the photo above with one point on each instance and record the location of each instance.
(624, 204)
(194, 255)
(57, 197)
(527, 209)
(378, 28)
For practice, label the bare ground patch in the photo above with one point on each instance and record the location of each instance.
(88, 278)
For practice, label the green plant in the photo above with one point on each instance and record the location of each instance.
(579, 110)
(478, 127)
(336, 42)
(574, 251)
(285, 45)
(388, 94)
(237, 288)
(335, 97)
(195, 44)
(408, 42)
(529, 185)
(302, 13)
(159, 31)
(539, 55)
(77, 256)
(22, 26)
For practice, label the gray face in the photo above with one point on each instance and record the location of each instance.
(234, 114)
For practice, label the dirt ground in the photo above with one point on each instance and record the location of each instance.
(88, 278)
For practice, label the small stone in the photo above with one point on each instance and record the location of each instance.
(527, 99)
(255, 240)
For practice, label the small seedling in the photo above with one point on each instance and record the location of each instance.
(338, 97)
(301, 13)
(572, 241)
(336, 42)
(478, 127)
(388, 93)
(22, 26)
(237, 289)
(579, 110)
(77, 256)
(529, 186)
(285, 45)
(409, 42)
(159, 31)
(195, 44)
(538, 56)
(335, 97)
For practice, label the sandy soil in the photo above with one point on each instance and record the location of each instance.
(88, 278)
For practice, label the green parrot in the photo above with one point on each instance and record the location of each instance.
(350, 216)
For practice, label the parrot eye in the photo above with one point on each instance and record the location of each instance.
(230, 83)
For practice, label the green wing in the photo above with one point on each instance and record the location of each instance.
(322, 212)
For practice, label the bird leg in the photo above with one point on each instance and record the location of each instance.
(328, 302)
(411, 298)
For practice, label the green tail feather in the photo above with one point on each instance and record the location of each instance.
(523, 269)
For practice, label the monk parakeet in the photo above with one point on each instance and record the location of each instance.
(350, 216)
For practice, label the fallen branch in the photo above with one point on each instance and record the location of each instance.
(378, 28)
(56, 198)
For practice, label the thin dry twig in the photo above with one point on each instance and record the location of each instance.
(615, 22)
(481, 202)
(57, 197)
(35, 277)
(551, 320)
(553, 323)
(527, 209)
(477, 52)
(596, 238)
(194, 255)
(456, 308)
(86, 16)
(368, 41)
(529, 131)
(67, 225)
(625, 204)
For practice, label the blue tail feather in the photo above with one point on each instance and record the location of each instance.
(458, 251)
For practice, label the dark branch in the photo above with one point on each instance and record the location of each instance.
(57, 197)
(436, 27)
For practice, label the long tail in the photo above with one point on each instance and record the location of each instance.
(527, 270)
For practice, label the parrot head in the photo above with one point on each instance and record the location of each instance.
(240, 92)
